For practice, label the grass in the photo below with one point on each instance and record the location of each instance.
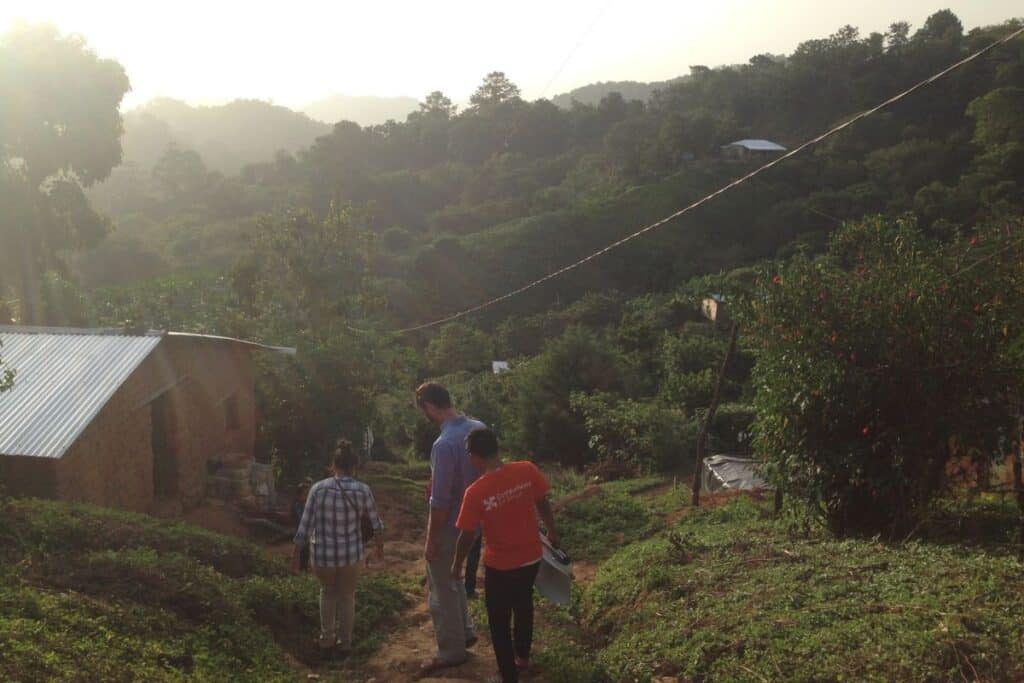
(93, 594)
(598, 520)
(730, 594)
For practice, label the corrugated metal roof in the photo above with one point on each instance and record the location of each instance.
(63, 380)
(758, 145)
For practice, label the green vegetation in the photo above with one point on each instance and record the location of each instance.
(730, 594)
(876, 357)
(876, 277)
(100, 595)
(597, 521)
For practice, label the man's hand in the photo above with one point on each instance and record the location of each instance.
(555, 539)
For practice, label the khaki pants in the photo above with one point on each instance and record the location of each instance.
(453, 625)
(337, 603)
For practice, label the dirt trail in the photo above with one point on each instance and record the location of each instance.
(412, 641)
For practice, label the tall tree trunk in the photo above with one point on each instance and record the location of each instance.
(705, 427)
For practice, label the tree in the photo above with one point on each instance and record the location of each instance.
(438, 104)
(180, 172)
(547, 425)
(459, 347)
(943, 26)
(898, 36)
(60, 130)
(495, 90)
(997, 117)
(873, 360)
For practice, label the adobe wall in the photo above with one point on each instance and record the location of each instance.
(213, 373)
(112, 462)
(28, 476)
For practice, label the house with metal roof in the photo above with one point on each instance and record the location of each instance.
(748, 148)
(125, 420)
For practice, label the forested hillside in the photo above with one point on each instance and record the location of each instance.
(226, 136)
(369, 229)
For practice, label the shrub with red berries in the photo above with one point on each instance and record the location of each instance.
(873, 356)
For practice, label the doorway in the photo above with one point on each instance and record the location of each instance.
(165, 461)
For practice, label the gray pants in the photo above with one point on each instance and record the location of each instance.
(453, 625)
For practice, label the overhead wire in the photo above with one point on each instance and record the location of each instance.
(720, 191)
(572, 52)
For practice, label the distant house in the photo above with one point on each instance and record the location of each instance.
(750, 149)
(499, 366)
(124, 420)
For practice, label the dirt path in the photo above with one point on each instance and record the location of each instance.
(412, 642)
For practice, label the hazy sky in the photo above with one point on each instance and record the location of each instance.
(298, 51)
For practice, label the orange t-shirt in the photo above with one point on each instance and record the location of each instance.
(504, 503)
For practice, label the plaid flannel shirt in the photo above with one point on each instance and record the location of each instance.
(330, 524)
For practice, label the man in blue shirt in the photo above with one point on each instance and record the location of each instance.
(451, 473)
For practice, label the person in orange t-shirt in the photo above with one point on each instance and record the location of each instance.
(505, 502)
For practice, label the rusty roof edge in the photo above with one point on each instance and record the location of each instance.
(89, 331)
(286, 350)
(122, 332)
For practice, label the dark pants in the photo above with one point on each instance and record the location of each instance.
(509, 599)
(472, 564)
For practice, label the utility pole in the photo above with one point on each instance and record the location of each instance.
(705, 427)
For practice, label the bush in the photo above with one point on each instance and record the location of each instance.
(649, 436)
(872, 358)
(547, 427)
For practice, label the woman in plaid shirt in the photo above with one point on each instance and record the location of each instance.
(330, 525)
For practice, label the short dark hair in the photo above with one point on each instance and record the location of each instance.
(482, 443)
(344, 458)
(433, 393)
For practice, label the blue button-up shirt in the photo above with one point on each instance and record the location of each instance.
(450, 468)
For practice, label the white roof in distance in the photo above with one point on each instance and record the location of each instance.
(757, 145)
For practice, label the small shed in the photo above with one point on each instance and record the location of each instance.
(732, 473)
(124, 420)
(751, 149)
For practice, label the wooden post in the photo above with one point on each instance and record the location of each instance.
(702, 438)
(1018, 486)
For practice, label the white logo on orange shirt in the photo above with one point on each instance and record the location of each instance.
(494, 502)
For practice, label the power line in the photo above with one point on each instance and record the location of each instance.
(577, 46)
(722, 190)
